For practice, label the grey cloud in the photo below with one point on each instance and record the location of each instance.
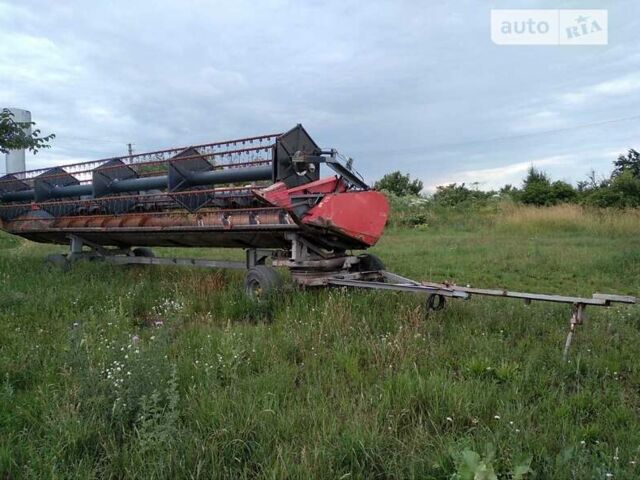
(404, 85)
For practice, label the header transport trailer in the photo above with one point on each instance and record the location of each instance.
(263, 194)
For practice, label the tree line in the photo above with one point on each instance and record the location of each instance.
(621, 188)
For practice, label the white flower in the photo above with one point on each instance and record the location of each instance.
(497, 417)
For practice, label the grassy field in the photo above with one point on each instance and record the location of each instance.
(116, 372)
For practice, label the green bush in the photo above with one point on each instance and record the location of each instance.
(623, 190)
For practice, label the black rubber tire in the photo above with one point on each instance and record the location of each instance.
(369, 263)
(57, 261)
(261, 280)
(143, 252)
(435, 302)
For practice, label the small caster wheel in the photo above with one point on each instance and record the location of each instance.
(261, 281)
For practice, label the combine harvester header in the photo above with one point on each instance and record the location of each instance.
(263, 194)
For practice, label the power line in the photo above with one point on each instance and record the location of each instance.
(500, 139)
(96, 140)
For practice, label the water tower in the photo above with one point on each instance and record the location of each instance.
(15, 158)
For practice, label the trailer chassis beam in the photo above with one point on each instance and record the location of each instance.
(396, 282)
(312, 266)
(127, 256)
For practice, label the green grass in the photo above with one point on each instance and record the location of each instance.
(117, 372)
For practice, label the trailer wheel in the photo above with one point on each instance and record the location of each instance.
(369, 263)
(57, 261)
(435, 302)
(261, 280)
(143, 252)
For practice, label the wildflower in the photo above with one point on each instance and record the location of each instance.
(135, 339)
(449, 419)
(497, 417)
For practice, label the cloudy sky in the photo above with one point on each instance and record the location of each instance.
(411, 85)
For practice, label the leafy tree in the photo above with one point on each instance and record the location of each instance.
(622, 190)
(536, 188)
(510, 191)
(627, 163)
(454, 194)
(562, 192)
(14, 137)
(399, 184)
(539, 190)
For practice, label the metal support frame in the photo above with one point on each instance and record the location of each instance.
(311, 266)
(77, 252)
(578, 316)
(397, 287)
(174, 261)
(578, 304)
(256, 256)
(127, 256)
(303, 250)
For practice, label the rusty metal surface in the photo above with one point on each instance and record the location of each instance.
(251, 227)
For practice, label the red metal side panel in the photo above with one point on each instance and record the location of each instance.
(361, 215)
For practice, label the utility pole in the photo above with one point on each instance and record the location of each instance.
(130, 147)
